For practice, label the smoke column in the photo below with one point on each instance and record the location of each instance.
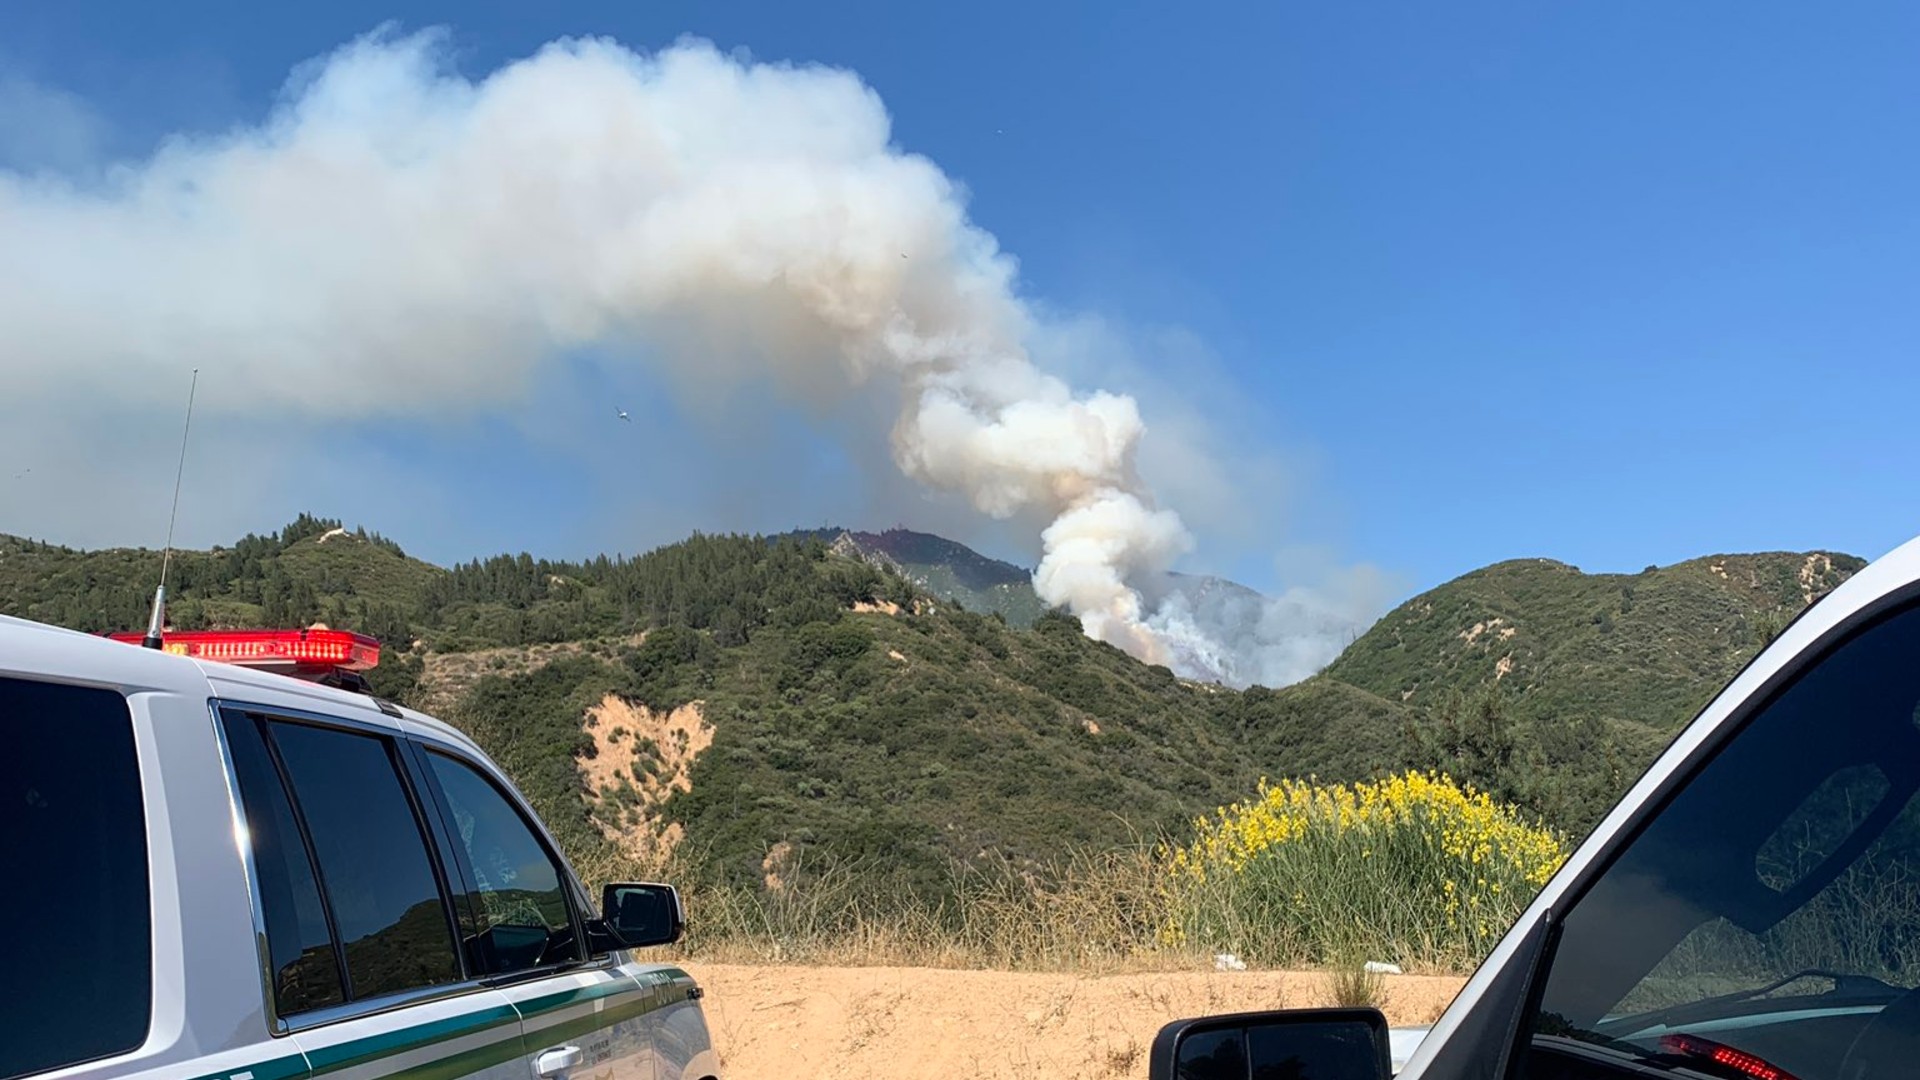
(394, 225)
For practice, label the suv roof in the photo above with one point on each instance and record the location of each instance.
(122, 663)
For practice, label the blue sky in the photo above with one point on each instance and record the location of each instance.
(1613, 284)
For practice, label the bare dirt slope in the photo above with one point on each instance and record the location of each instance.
(775, 1023)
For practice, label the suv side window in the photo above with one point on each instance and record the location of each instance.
(303, 961)
(520, 899)
(73, 840)
(382, 895)
(1769, 914)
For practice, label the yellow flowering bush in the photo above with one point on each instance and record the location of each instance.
(1413, 865)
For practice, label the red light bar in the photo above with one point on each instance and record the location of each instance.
(1693, 1046)
(339, 649)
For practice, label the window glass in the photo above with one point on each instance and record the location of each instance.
(74, 845)
(1773, 907)
(374, 864)
(305, 971)
(522, 903)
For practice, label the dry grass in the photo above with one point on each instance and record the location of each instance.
(1353, 986)
(1135, 908)
(1096, 912)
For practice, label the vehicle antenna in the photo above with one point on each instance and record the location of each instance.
(158, 621)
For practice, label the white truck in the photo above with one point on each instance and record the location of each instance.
(1749, 911)
(216, 872)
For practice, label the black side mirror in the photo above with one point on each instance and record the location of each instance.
(1298, 1044)
(636, 915)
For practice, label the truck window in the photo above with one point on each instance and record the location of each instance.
(1768, 917)
(73, 840)
(374, 868)
(303, 964)
(522, 904)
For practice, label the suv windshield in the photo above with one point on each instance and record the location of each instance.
(1769, 916)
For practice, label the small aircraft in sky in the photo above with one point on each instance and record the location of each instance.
(622, 414)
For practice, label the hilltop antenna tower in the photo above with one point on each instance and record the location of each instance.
(158, 621)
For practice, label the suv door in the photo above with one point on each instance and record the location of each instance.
(357, 928)
(526, 930)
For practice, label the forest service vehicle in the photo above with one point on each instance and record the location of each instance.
(220, 868)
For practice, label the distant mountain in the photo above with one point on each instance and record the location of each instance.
(943, 568)
(1228, 611)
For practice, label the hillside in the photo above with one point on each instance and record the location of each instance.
(775, 708)
(1553, 688)
(1644, 648)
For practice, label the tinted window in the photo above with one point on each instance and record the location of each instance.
(305, 973)
(73, 844)
(374, 866)
(1774, 905)
(522, 905)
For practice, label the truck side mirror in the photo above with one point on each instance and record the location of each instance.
(635, 915)
(1298, 1044)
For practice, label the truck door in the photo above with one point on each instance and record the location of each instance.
(366, 974)
(580, 1016)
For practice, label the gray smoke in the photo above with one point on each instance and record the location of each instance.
(395, 225)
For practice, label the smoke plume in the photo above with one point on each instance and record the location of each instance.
(394, 225)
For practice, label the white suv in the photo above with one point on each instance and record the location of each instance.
(217, 873)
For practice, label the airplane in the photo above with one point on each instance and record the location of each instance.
(622, 414)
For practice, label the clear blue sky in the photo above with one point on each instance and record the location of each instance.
(1612, 283)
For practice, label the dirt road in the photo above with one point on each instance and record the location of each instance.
(779, 1023)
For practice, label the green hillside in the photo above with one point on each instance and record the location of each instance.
(855, 717)
(1553, 688)
(1646, 648)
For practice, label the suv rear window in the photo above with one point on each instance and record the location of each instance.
(73, 841)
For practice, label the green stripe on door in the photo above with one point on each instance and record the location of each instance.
(535, 1006)
(566, 1030)
(346, 1055)
(359, 1051)
(466, 1062)
(280, 1068)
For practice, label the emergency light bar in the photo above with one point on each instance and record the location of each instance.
(339, 650)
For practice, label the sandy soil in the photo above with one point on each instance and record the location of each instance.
(776, 1023)
(678, 737)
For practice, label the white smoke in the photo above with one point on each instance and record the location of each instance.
(395, 226)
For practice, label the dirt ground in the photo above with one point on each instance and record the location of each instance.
(777, 1023)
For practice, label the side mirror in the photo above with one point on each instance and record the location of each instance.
(635, 915)
(1299, 1044)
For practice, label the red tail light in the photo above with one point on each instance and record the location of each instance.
(1737, 1061)
(279, 649)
